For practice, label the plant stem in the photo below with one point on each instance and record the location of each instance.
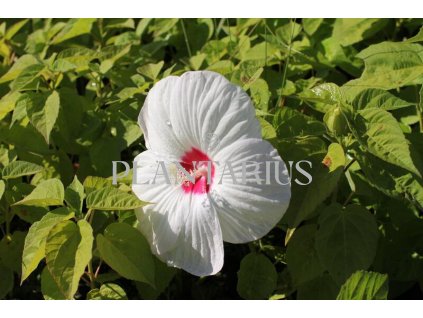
(91, 274)
(285, 69)
(186, 38)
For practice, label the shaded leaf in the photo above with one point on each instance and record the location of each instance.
(346, 240)
(256, 277)
(125, 250)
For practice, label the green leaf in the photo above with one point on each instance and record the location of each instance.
(8, 102)
(320, 288)
(291, 123)
(92, 183)
(108, 291)
(151, 70)
(328, 93)
(326, 169)
(163, 276)
(49, 287)
(22, 63)
(110, 198)
(302, 259)
(20, 168)
(256, 277)
(73, 59)
(2, 187)
(28, 79)
(375, 98)
(11, 248)
(47, 193)
(35, 241)
(74, 28)
(14, 29)
(310, 26)
(68, 251)
(364, 285)
(6, 281)
(351, 31)
(74, 195)
(346, 240)
(260, 94)
(127, 252)
(382, 136)
(418, 37)
(43, 113)
(390, 65)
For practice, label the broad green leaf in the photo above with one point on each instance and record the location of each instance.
(288, 32)
(47, 193)
(163, 276)
(43, 113)
(7, 103)
(351, 31)
(310, 26)
(303, 262)
(328, 93)
(68, 251)
(11, 248)
(49, 287)
(14, 29)
(267, 130)
(35, 241)
(110, 198)
(256, 277)
(291, 123)
(260, 94)
(92, 183)
(380, 133)
(346, 240)
(364, 285)
(20, 168)
(28, 79)
(390, 179)
(74, 195)
(73, 59)
(110, 55)
(320, 288)
(22, 63)
(326, 169)
(127, 252)
(108, 291)
(390, 65)
(151, 70)
(6, 281)
(375, 98)
(74, 28)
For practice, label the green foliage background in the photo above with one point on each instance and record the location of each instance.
(345, 94)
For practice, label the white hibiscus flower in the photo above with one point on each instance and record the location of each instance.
(197, 117)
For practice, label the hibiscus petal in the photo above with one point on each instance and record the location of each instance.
(162, 215)
(199, 109)
(249, 211)
(198, 248)
(183, 230)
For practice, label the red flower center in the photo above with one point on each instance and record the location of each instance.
(197, 164)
